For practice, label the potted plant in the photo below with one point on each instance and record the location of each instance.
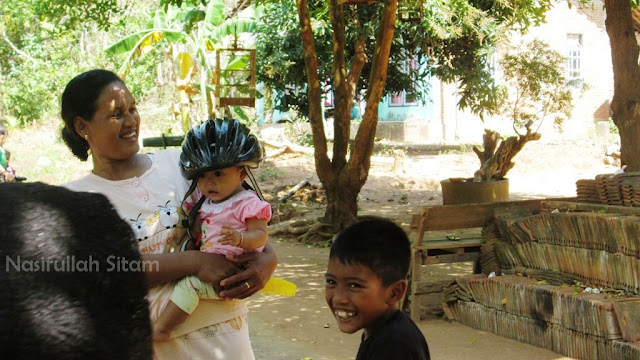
(533, 89)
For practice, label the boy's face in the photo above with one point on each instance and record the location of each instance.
(357, 298)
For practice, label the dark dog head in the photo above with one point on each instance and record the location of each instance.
(65, 290)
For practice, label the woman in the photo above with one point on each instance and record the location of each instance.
(101, 119)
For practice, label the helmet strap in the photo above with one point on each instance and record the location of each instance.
(254, 183)
(191, 216)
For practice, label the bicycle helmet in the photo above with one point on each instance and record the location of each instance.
(218, 144)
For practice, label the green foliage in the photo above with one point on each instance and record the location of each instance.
(280, 63)
(534, 86)
(270, 173)
(190, 32)
(298, 129)
(142, 80)
(70, 14)
(613, 129)
(454, 42)
(38, 58)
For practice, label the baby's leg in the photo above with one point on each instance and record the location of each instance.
(184, 300)
(170, 317)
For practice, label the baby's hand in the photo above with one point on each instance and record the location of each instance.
(230, 236)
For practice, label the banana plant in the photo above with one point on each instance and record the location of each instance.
(194, 33)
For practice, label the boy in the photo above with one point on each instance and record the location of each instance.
(365, 281)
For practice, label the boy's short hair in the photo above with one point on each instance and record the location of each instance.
(376, 243)
(4, 130)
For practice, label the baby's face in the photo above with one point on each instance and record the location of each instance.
(219, 185)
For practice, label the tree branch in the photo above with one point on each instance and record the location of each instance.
(15, 48)
(315, 92)
(358, 62)
(359, 161)
(343, 103)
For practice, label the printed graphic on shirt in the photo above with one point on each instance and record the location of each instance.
(163, 229)
(140, 228)
(169, 215)
(204, 228)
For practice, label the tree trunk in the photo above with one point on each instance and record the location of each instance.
(625, 104)
(496, 163)
(342, 206)
(344, 179)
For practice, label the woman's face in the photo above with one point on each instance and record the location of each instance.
(113, 131)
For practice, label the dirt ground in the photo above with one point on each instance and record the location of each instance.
(303, 328)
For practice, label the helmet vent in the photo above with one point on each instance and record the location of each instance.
(237, 147)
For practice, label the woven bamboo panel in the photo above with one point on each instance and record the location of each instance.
(530, 331)
(612, 189)
(619, 350)
(600, 249)
(587, 191)
(628, 314)
(551, 336)
(473, 314)
(588, 313)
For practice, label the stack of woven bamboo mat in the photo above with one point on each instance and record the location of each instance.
(574, 286)
(612, 189)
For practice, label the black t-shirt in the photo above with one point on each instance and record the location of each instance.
(399, 338)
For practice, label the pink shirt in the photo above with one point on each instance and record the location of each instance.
(234, 212)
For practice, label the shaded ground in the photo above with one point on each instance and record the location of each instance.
(303, 328)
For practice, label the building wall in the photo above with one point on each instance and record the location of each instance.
(591, 105)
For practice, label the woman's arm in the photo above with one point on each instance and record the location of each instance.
(258, 269)
(209, 268)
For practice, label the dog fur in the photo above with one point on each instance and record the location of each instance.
(91, 312)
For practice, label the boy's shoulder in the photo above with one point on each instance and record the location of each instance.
(399, 338)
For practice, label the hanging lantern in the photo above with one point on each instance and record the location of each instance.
(235, 77)
(410, 10)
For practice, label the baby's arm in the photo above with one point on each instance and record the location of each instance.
(252, 239)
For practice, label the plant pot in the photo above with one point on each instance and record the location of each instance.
(465, 191)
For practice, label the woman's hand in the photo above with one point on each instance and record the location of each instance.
(258, 270)
(212, 268)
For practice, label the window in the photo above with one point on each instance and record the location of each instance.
(404, 99)
(574, 56)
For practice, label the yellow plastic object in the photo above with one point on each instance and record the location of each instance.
(279, 287)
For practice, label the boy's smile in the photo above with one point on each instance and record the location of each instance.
(357, 298)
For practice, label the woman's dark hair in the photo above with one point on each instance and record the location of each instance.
(376, 243)
(79, 99)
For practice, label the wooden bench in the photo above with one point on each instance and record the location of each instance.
(460, 242)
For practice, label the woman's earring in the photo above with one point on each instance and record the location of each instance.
(86, 137)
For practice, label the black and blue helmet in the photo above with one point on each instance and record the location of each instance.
(218, 144)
